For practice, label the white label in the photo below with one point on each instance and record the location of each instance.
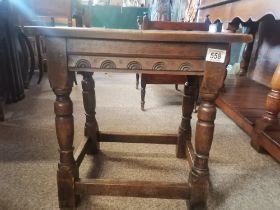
(215, 55)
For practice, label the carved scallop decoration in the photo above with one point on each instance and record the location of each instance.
(159, 66)
(108, 64)
(185, 67)
(134, 65)
(83, 63)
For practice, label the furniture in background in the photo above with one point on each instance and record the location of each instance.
(91, 50)
(266, 133)
(41, 12)
(145, 24)
(60, 10)
(15, 51)
(115, 17)
(244, 96)
(234, 12)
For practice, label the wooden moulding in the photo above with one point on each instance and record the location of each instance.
(159, 72)
(144, 189)
(138, 138)
(133, 64)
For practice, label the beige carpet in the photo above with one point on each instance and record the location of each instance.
(240, 177)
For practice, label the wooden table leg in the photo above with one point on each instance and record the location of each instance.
(67, 169)
(61, 82)
(199, 176)
(91, 126)
(210, 87)
(185, 132)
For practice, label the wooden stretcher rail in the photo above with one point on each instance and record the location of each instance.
(190, 153)
(144, 189)
(81, 151)
(138, 138)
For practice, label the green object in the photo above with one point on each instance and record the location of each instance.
(116, 17)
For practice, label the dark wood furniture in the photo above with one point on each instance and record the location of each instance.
(145, 24)
(227, 10)
(46, 14)
(234, 12)
(11, 72)
(91, 50)
(244, 98)
(266, 134)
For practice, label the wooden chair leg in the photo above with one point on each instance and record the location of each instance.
(2, 118)
(40, 58)
(184, 133)
(91, 126)
(246, 55)
(41, 72)
(196, 96)
(143, 93)
(176, 87)
(137, 81)
(75, 79)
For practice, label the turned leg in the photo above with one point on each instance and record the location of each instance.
(61, 82)
(246, 55)
(270, 116)
(199, 175)
(209, 89)
(67, 168)
(184, 133)
(143, 92)
(91, 126)
(137, 80)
